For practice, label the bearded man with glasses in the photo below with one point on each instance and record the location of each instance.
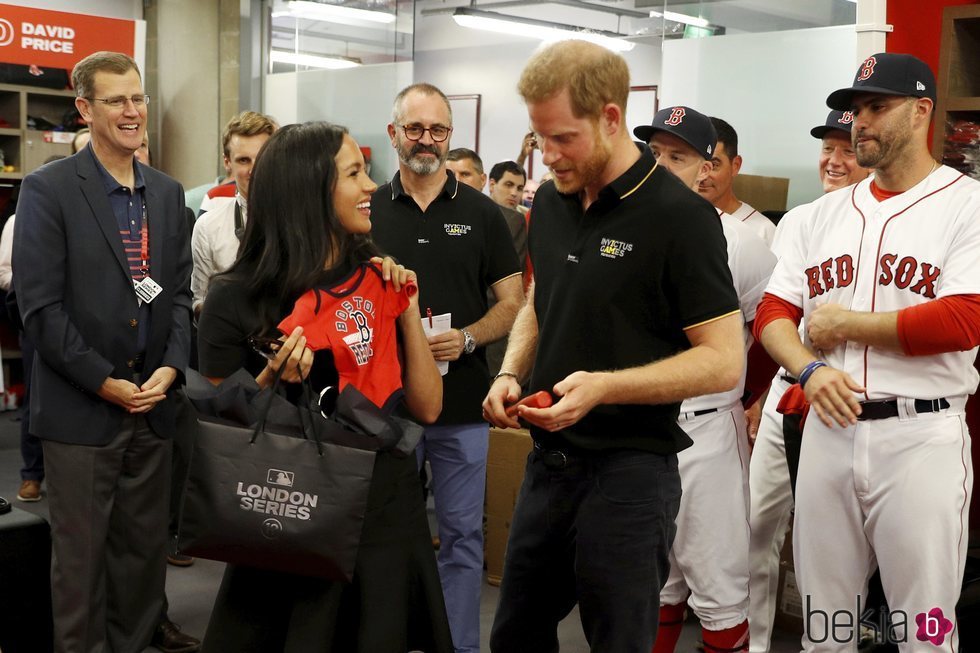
(455, 238)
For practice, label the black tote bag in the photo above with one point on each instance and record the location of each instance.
(284, 497)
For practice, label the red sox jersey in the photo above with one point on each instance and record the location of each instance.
(865, 255)
(751, 263)
(356, 320)
(763, 227)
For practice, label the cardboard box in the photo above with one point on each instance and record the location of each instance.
(506, 459)
(763, 193)
(789, 602)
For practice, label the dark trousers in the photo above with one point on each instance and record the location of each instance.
(31, 451)
(793, 441)
(597, 532)
(181, 459)
(108, 528)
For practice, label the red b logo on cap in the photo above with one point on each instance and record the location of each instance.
(867, 69)
(847, 118)
(676, 117)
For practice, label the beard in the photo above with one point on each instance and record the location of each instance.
(590, 170)
(408, 152)
(887, 145)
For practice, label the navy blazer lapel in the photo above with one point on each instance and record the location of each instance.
(158, 232)
(94, 191)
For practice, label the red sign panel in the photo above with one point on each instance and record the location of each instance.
(56, 39)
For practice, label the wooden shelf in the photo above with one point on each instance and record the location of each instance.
(23, 148)
(958, 92)
(963, 104)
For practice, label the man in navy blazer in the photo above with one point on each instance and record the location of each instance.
(103, 265)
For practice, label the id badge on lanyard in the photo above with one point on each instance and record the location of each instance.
(146, 288)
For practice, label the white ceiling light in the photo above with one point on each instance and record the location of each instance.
(312, 60)
(680, 18)
(536, 29)
(332, 13)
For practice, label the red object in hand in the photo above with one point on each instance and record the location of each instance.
(540, 399)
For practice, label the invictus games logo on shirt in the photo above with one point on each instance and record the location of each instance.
(457, 229)
(611, 248)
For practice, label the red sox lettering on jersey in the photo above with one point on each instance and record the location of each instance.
(838, 272)
(871, 256)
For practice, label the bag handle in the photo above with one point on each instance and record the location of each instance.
(308, 402)
(309, 429)
(264, 415)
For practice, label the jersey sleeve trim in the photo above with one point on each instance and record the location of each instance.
(773, 308)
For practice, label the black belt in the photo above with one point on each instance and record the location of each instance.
(886, 408)
(789, 379)
(706, 411)
(552, 458)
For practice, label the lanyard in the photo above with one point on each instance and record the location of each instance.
(144, 241)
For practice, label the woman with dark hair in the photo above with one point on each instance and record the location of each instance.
(308, 228)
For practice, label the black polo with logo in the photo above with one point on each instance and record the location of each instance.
(615, 288)
(459, 247)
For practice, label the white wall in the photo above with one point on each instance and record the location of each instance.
(771, 87)
(493, 72)
(358, 98)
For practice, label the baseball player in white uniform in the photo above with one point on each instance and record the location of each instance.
(886, 278)
(769, 471)
(709, 558)
(718, 186)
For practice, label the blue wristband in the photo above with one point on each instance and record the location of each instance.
(809, 370)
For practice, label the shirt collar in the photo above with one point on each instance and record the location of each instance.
(110, 183)
(449, 190)
(626, 184)
(637, 175)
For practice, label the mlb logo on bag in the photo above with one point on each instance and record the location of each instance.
(280, 477)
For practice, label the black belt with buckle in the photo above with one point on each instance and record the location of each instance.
(552, 458)
(706, 411)
(886, 408)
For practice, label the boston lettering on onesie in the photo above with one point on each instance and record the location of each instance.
(356, 320)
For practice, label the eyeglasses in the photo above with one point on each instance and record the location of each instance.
(120, 100)
(415, 132)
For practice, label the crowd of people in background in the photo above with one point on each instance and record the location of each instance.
(666, 344)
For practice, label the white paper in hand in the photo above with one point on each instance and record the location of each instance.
(433, 325)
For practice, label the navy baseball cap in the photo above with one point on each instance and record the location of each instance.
(888, 74)
(836, 121)
(692, 127)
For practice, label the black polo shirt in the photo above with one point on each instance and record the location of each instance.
(459, 246)
(616, 286)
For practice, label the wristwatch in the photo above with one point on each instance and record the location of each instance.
(469, 344)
